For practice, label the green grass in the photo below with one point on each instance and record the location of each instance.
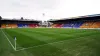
(53, 41)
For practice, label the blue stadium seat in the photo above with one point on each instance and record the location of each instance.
(73, 24)
(20, 25)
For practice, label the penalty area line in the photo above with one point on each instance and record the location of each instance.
(40, 45)
(8, 39)
(45, 44)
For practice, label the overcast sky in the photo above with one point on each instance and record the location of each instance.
(33, 9)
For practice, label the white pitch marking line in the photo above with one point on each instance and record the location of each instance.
(8, 40)
(44, 44)
(40, 45)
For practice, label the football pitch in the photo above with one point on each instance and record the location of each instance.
(49, 42)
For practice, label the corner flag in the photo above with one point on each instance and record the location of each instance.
(15, 38)
(15, 42)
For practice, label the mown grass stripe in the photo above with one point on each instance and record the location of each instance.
(8, 40)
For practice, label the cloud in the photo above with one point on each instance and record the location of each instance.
(51, 8)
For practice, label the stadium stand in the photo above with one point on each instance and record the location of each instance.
(82, 24)
(95, 25)
(15, 23)
(88, 21)
(73, 24)
(20, 25)
(87, 24)
(14, 26)
(25, 25)
(78, 24)
(57, 25)
(9, 25)
(69, 24)
(3, 25)
(53, 25)
(33, 25)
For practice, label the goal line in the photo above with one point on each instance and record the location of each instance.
(8, 40)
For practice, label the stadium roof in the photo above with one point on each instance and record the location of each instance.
(79, 17)
(19, 19)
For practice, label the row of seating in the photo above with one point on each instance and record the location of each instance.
(57, 25)
(18, 25)
(91, 25)
(80, 24)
